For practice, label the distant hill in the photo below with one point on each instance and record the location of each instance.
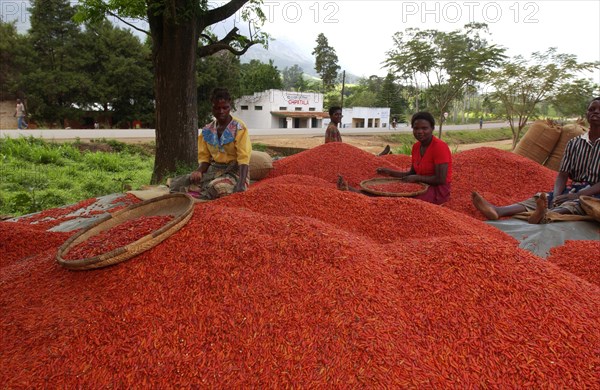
(284, 54)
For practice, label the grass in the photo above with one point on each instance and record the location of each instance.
(36, 175)
(452, 138)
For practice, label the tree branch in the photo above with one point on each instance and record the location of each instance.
(221, 13)
(224, 44)
(127, 23)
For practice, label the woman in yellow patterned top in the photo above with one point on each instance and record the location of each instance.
(224, 150)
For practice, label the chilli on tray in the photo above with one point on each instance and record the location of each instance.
(120, 235)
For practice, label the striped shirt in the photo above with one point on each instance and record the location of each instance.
(581, 159)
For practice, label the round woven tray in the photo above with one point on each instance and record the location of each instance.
(365, 185)
(178, 205)
(591, 206)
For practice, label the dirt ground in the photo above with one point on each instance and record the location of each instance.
(370, 143)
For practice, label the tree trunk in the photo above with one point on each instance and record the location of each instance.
(174, 58)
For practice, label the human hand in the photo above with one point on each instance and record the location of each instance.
(195, 177)
(560, 199)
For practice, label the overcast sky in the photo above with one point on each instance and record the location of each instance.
(361, 31)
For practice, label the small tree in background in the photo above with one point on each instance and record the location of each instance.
(293, 78)
(391, 96)
(521, 84)
(257, 76)
(571, 99)
(447, 62)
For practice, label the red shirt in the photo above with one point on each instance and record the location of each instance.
(437, 153)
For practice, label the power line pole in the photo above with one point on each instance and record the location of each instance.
(343, 86)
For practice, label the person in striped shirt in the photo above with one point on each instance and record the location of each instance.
(580, 164)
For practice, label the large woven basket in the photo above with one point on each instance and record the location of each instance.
(178, 205)
(367, 186)
(591, 206)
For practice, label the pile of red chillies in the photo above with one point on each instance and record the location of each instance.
(296, 284)
(118, 236)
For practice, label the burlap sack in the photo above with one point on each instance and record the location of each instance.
(568, 132)
(260, 165)
(539, 140)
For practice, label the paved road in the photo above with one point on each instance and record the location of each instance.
(149, 134)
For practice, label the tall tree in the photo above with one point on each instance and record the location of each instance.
(293, 78)
(521, 84)
(180, 31)
(14, 51)
(257, 76)
(326, 62)
(120, 67)
(53, 81)
(445, 62)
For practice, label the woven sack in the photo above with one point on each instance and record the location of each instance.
(568, 132)
(261, 164)
(539, 141)
(366, 185)
(591, 206)
(180, 206)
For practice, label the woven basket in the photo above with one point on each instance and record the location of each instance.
(591, 206)
(180, 206)
(365, 185)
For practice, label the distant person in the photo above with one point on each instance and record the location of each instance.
(431, 162)
(580, 164)
(480, 123)
(20, 114)
(224, 151)
(394, 123)
(332, 134)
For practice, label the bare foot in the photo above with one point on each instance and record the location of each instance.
(342, 184)
(485, 207)
(385, 151)
(540, 211)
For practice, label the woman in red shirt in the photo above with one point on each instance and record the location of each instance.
(431, 162)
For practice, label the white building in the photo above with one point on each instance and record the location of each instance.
(364, 117)
(281, 109)
(286, 109)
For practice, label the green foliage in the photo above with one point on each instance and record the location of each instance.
(14, 50)
(522, 84)
(360, 97)
(259, 147)
(257, 77)
(457, 137)
(293, 79)
(221, 70)
(120, 66)
(52, 78)
(446, 62)
(28, 185)
(391, 96)
(403, 149)
(572, 98)
(326, 62)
